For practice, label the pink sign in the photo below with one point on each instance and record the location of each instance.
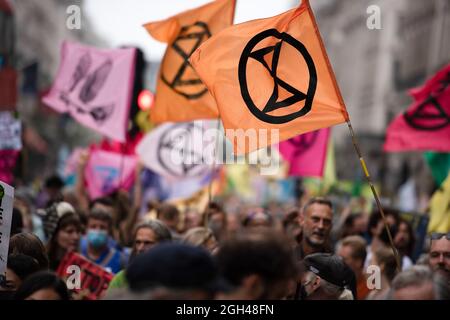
(306, 153)
(107, 172)
(95, 87)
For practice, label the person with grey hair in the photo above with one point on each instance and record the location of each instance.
(147, 234)
(419, 283)
(439, 255)
(326, 277)
(316, 224)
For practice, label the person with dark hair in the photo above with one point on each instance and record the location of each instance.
(175, 271)
(62, 227)
(404, 242)
(291, 227)
(326, 277)
(98, 250)
(257, 218)
(316, 223)
(146, 235)
(353, 224)
(192, 219)
(16, 222)
(170, 216)
(42, 285)
(52, 191)
(259, 265)
(215, 219)
(378, 233)
(29, 244)
(19, 267)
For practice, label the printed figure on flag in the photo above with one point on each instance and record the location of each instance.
(95, 86)
(306, 153)
(425, 126)
(272, 74)
(180, 94)
(107, 172)
(180, 151)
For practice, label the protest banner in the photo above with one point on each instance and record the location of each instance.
(6, 209)
(85, 278)
(10, 132)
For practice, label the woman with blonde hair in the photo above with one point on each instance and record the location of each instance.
(201, 237)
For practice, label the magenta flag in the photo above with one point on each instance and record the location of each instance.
(439, 79)
(306, 153)
(8, 159)
(425, 126)
(108, 171)
(95, 87)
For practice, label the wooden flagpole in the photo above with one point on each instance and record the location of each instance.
(354, 141)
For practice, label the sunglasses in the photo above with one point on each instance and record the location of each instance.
(437, 236)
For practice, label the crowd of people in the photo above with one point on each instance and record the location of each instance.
(310, 252)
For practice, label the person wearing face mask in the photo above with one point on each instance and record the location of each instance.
(98, 249)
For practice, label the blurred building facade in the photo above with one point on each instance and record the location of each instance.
(40, 28)
(374, 68)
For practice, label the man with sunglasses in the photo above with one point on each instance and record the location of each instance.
(440, 253)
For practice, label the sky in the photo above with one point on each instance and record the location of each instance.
(119, 22)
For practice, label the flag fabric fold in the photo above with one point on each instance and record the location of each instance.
(306, 153)
(179, 151)
(425, 125)
(95, 86)
(180, 94)
(271, 74)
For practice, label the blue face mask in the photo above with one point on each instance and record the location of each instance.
(97, 238)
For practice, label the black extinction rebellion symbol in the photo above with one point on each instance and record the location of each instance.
(178, 141)
(303, 142)
(430, 114)
(194, 35)
(262, 112)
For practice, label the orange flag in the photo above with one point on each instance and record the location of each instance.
(180, 94)
(270, 74)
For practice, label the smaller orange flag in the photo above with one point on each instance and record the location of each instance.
(180, 94)
(271, 79)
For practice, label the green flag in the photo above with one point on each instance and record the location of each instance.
(439, 164)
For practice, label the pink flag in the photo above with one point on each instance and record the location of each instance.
(306, 153)
(439, 79)
(72, 162)
(95, 86)
(108, 171)
(8, 159)
(425, 126)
